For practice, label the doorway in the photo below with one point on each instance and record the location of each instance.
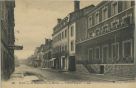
(72, 63)
(102, 69)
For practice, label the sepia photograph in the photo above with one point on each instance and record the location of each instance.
(53, 42)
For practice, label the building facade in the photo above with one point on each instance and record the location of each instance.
(65, 36)
(47, 54)
(60, 44)
(38, 56)
(7, 38)
(108, 43)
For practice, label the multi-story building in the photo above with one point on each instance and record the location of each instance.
(47, 53)
(64, 38)
(37, 57)
(108, 43)
(7, 37)
(60, 44)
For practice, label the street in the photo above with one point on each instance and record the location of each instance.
(84, 43)
(27, 75)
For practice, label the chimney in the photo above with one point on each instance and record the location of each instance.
(76, 5)
(59, 20)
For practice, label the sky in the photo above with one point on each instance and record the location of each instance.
(35, 19)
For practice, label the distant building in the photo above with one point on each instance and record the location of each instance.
(106, 46)
(47, 54)
(7, 37)
(37, 57)
(29, 61)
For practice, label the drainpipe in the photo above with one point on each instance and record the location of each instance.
(68, 43)
(115, 46)
(134, 46)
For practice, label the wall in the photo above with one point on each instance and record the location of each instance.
(7, 38)
(72, 38)
(81, 34)
(116, 69)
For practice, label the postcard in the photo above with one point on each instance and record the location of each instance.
(68, 43)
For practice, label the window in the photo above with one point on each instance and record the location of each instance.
(92, 34)
(65, 47)
(59, 36)
(127, 48)
(90, 54)
(127, 19)
(97, 31)
(72, 45)
(62, 48)
(105, 54)
(97, 53)
(62, 35)
(115, 50)
(126, 4)
(65, 33)
(97, 18)
(56, 38)
(72, 30)
(104, 13)
(114, 8)
(90, 21)
(3, 12)
(104, 28)
(115, 24)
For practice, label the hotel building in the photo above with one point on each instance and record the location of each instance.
(107, 45)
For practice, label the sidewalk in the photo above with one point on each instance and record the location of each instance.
(112, 78)
(55, 70)
(109, 78)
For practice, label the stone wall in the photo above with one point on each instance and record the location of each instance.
(113, 69)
